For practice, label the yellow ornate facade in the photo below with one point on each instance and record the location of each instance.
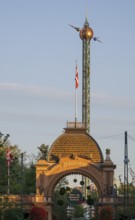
(73, 152)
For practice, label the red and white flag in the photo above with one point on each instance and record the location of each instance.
(9, 157)
(76, 78)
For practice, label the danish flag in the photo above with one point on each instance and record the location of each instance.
(9, 157)
(76, 78)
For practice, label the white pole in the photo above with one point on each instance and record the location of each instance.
(75, 105)
(76, 86)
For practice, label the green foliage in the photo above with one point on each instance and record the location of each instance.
(9, 210)
(13, 214)
(78, 211)
(29, 174)
(3, 172)
(60, 202)
(130, 209)
(90, 200)
(131, 189)
(94, 196)
(4, 140)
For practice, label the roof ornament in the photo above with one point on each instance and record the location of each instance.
(86, 32)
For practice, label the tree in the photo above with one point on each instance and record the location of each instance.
(59, 199)
(3, 139)
(13, 214)
(131, 189)
(29, 177)
(29, 173)
(130, 201)
(9, 210)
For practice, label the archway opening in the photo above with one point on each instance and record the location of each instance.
(74, 196)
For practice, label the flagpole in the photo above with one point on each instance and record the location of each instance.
(8, 178)
(75, 107)
(8, 161)
(76, 86)
(22, 181)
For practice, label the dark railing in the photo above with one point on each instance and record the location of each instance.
(26, 199)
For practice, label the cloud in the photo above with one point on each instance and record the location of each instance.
(99, 99)
(34, 90)
(35, 118)
(114, 102)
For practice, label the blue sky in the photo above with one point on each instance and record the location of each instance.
(38, 50)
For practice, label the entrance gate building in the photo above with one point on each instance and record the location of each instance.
(74, 152)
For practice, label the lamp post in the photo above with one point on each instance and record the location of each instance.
(22, 181)
(126, 161)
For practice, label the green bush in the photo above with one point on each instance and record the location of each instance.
(13, 214)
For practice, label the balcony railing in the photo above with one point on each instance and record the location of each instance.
(75, 125)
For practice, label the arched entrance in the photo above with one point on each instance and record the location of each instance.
(75, 151)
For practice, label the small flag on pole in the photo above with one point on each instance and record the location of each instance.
(9, 157)
(76, 78)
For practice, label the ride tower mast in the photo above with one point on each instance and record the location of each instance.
(86, 34)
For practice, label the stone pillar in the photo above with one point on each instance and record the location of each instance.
(48, 205)
(49, 209)
(108, 174)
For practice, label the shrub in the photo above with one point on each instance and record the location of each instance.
(13, 214)
(106, 213)
(90, 201)
(38, 213)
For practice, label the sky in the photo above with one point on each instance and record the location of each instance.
(38, 51)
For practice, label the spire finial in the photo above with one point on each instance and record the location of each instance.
(86, 10)
(86, 15)
(76, 62)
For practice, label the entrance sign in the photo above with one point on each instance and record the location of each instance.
(75, 197)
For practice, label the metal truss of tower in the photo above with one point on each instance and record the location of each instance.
(86, 81)
(86, 34)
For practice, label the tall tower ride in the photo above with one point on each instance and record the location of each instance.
(86, 34)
